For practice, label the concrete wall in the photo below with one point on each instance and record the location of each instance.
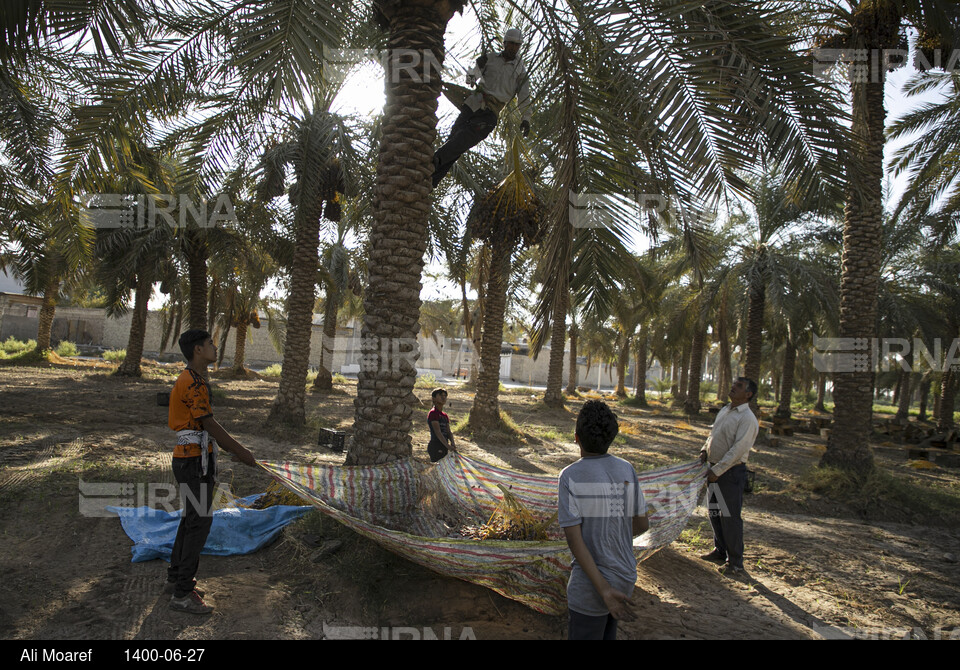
(440, 357)
(20, 319)
(259, 351)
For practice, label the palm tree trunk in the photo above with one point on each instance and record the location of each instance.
(807, 366)
(288, 407)
(751, 368)
(848, 446)
(471, 329)
(895, 399)
(485, 414)
(48, 309)
(906, 391)
(903, 397)
(196, 254)
(383, 409)
(691, 405)
(130, 367)
(640, 392)
(179, 323)
(240, 347)
(324, 380)
(681, 397)
(572, 371)
(821, 392)
(786, 380)
(222, 346)
(623, 360)
(925, 382)
(475, 340)
(948, 401)
(937, 397)
(726, 372)
(553, 396)
(675, 377)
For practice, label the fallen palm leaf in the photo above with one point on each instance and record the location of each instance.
(510, 521)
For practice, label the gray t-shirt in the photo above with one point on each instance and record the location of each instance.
(601, 494)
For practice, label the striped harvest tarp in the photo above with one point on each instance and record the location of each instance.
(414, 510)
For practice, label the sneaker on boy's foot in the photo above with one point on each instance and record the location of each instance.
(170, 587)
(191, 603)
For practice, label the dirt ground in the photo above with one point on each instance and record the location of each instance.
(816, 568)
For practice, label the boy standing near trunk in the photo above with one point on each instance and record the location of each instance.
(601, 510)
(195, 468)
(441, 437)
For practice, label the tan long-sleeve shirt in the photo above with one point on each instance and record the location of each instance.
(500, 81)
(731, 438)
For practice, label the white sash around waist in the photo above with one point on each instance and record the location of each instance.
(208, 458)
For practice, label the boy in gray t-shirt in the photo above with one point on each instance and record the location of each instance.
(601, 510)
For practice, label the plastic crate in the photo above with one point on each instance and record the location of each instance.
(334, 439)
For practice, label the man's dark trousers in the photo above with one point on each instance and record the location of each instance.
(196, 495)
(469, 130)
(725, 503)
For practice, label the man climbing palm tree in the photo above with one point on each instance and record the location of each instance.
(498, 79)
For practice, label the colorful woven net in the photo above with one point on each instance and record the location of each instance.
(419, 511)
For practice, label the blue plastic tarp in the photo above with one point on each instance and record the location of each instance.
(235, 530)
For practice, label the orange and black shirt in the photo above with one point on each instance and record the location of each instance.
(189, 403)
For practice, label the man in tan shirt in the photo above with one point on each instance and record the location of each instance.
(727, 449)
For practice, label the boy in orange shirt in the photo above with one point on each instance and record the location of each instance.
(195, 468)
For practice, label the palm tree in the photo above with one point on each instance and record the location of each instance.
(670, 331)
(725, 377)
(638, 290)
(798, 316)
(241, 275)
(40, 264)
(641, 367)
(768, 259)
(687, 256)
(685, 127)
(317, 147)
(932, 195)
(941, 269)
(130, 259)
(399, 234)
(867, 27)
(713, 101)
(574, 335)
(509, 218)
(39, 80)
(340, 278)
(625, 324)
(596, 343)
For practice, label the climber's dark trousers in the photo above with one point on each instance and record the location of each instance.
(468, 131)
